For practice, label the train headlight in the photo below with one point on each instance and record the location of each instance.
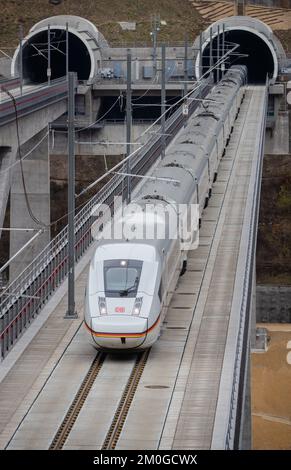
(102, 306)
(137, 306)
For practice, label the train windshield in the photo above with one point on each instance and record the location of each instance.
(121, 277)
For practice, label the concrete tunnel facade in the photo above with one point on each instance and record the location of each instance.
(259, 49)
(85, 42)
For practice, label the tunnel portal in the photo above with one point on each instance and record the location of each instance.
(82, 39)
(258, 48)
(35, 56)
(252, 52)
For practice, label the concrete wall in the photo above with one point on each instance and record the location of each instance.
(146, 62)
(5, 66)
(31, 130)
(273, 304)
(37, 183)
(277, 143)
(29, 126)
(277, 140)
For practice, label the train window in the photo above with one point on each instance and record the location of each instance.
(121, 277)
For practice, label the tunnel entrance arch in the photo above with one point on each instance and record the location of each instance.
(84, 44)
(259, 49)
(35, 61)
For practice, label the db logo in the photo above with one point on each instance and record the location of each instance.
(119, 309)
(289, 93)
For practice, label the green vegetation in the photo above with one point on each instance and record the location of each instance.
(284, 198)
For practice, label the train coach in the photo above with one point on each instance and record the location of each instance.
(131, 281)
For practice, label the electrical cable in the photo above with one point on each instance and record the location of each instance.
(26, 155)
(31, 214)
(198, 84)
(33, 217)
(120, 99)
(147, 91)
(99, 119)
(93, 123)
(170, 110)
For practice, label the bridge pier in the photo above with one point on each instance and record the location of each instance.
(37, 189)
(35, 109)
(277, 138)
(8, 151)
(87, 105)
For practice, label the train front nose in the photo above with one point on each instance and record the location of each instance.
(119, 331)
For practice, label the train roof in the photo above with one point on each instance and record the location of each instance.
(177, 188)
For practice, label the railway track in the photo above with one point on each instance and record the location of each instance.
(119, 424)
(76, 406)
(83, 392)
(125, 402)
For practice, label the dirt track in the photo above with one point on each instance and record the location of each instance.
(271, 391)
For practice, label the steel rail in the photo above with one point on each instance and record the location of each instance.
(77, 404)
(125, 402)
(23, 298)
(32, 99)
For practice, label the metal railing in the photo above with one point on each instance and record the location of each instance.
(34, 97)
(177, 78)
(29, 87)
(142, 44)
(240, 365)
(121, 121)
(23, 299)
(9, 83)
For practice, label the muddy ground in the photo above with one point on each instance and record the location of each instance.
(271, 391)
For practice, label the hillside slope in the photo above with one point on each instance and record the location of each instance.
(180, 16)
(274, 237)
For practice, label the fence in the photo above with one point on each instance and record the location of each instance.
(241, 362)
(24, 298)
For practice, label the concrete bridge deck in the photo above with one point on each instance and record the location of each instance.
(184, 396)
(36, 107)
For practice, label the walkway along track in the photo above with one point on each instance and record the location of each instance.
(79, 400)
(24, 298)
(72, 403)
(112, 402)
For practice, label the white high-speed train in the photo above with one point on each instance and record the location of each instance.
(131, 282)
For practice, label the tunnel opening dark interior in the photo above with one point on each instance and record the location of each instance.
(257, 55)
(35, 57)
(146, 108)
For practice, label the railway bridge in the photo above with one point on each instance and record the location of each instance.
(191, 390)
